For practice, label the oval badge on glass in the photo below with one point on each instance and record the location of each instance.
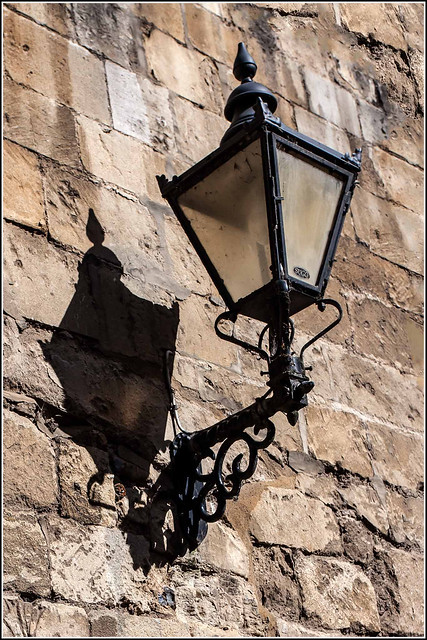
(301, 273)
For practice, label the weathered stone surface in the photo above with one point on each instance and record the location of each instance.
(388, 334)
(302, 462)
(287, 629)
(87, 487)
(275, 580)
(285, 517)
(393, 232)
(322, 488)
(97, 564)
(72, 621)
(332, 102)
(29, 475)
(206, 33)
(55, 67)
(406, 517)
(357, 540)
(166, 60)
(22, 184)
(409, 574)
(338, 438)
(337, 594)
(140, 108)
(169, 21)
(26, 565)
(40, 124)
(224, 549)
(199, 131)
(25, 255)
(320, 129)
(397, 456)
(365, 501)
(56, 16)
(402, 182)
(120, 159)
(379, 21)
(197, 597)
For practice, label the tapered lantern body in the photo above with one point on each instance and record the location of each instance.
(267, 205)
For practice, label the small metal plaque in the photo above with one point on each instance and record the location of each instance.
(301, 273)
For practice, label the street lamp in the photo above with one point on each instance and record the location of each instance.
(264, 213)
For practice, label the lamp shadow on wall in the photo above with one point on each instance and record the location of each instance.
(108, 354)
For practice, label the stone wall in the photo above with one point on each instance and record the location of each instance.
(326, 538)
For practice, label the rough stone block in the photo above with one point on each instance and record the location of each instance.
(337, 594)
(311, 125)
(402, 182)
(332, 102)
(39, 123)
(120, 159)
(367, 504)
(276, 582)
(110, 31)
(97, 564)
(54, 67)
(357, 541)
(26, 255)
(169, 21)
(284, 516)
(26, 565)
(288, 629)
(87, 486)
(409, 574)
(322, 488)
(223, 549)
(49, 617)
(406, 517)
(166, 60)
(393, 232)
(388, 334)
(140, 108)
(29, 463)
(56, 16)
(397, 456)
(338, 438)
(199, 132)
(22, 183)
(379, 21)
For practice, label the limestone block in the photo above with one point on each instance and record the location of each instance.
(337, 594)
(29, 463)
(287, 629)
(322, 488)
(199, 132)
(150, 626)
(406, 517)
(110, 31)
(412, 18)
(97, 564)
(338, 438)
(40, 124)
(39, 279)
(365, 501)
(22, 183)
(55, 67)
(140, 108)
(397, 456)
(332, 102)
(392, 232)
(275, 580)
(196, 336)
(222, 548)
(166, 61)
(197, 597)
(357, 541)
(409, 574)
(285, 517)
(169, 20)
(378, 21)
(359, 269)
(69, 201)
(50, 617)
(311, 125)
(207, 34)
(87, 487)
(402, 182)
(26, 562)
(56, 16)
(120, 159)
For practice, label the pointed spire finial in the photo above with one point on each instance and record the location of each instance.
(244, 65)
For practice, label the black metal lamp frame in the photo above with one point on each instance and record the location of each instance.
(286, 294)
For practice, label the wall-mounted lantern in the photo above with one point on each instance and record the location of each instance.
(264, 213)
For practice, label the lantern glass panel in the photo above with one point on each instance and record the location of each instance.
(227, 211)
(311, 195)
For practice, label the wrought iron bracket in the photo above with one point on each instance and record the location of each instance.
(202, 495)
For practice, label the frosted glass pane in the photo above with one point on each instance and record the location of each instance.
(310, 199)
(228, 214)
